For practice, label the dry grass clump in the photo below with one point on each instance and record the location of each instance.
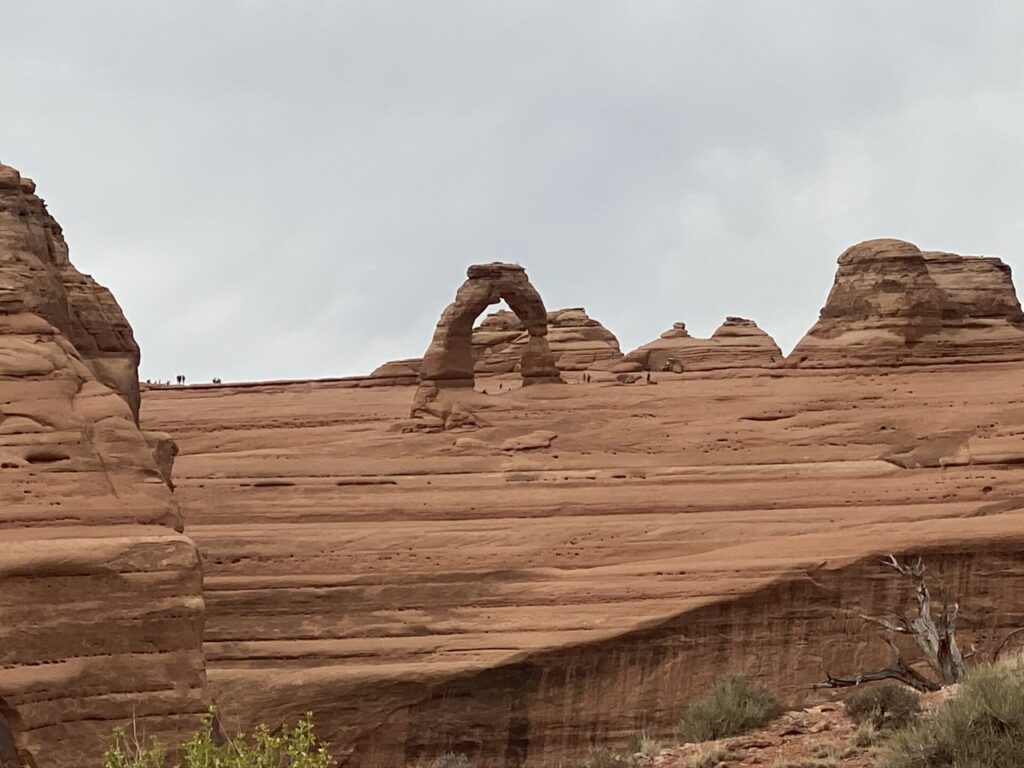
(711, 755)
(733, 706)
(643, 744)
(981, 727)
(889, 705)
(602, 757)
(865, 735)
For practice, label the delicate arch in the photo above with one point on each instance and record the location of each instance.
(448, 361)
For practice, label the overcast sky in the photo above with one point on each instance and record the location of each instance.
(288, 189)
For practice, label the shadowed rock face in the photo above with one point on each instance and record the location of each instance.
(737, 343)
(893, 304)
(101, 607)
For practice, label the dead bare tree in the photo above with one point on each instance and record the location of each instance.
(935, 637)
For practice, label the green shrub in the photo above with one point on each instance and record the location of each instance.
(889, 705)
(295, 747)
(734, 705)
(981, 727)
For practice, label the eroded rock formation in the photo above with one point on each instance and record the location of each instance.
(577, 343)
(448, 362)
(736, 343)
(892, 304)
(37, 277)
(101, 607)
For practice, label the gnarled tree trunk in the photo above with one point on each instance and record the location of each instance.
(935, 638)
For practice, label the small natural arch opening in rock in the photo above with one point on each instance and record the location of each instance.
(498, 340)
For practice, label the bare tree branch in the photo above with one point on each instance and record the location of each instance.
(936, 641)
(887, 625)
(898, 670)
(995, 656)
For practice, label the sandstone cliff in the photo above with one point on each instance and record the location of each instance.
(101, 607)
(892, 304)
(523, 600)
(737, 343)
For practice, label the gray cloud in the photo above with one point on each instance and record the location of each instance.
(294, 189)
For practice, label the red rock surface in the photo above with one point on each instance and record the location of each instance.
(520, 598)
(737, 343)
(892, 304)
(101, 607)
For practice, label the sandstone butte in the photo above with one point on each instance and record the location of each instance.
(575, 563)
(737, 343)
(101, 604)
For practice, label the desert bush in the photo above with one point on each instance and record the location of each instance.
(295, 747)
(889, 705)
(982, 726)
(734, 705)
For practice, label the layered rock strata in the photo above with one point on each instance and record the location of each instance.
(893, 304)
(583, 566)
(737, 343)
(101, 607)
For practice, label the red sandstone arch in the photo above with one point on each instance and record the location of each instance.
(448, 361)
